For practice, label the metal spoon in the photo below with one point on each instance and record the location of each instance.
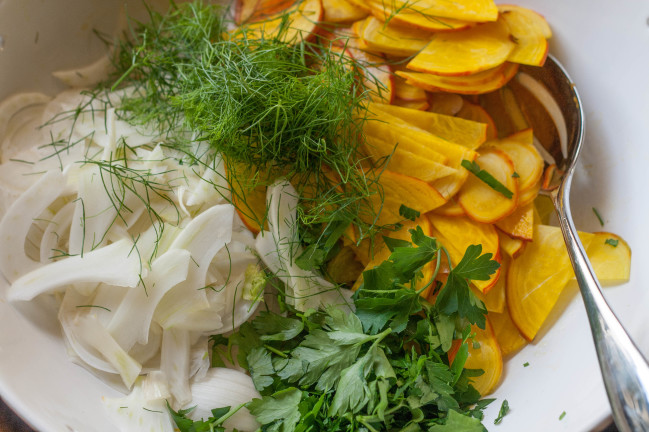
(624, 369)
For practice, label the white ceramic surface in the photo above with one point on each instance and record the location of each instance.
(605, 46)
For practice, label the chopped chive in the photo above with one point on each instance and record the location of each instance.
(599, 217)
(526, 364)
(504, 409)
(612, 242)
(490, 180)
(563, 414)
(515, 175)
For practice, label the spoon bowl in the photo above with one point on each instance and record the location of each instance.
(549, 93)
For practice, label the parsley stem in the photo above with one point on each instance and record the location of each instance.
(275, 350)
(224, 417)
(432, 279)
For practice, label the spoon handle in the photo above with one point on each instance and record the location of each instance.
(624, 369)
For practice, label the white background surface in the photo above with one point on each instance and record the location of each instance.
(604, 45)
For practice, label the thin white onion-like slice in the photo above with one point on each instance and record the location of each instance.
(18, 219)
(223, 387)
(174, 362)
(544, 96)
(86, 76)
(89, 329)
(55, 230)
(203, 237)
(14, 103)
(132, 319)
(279, 246)
(144, 409)
(547, 157)
(115, 264)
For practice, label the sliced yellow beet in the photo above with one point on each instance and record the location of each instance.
(509, 338)
(419, 105)
(529, 195)
(537, 277)
(530, 31)
(476, 113)
(405, 91)
(512, 247)
(361, 4)
(396, 190)
(301, 23)
(528, 163)
(494, 300)
(342, 11)
(445, 103)
(519, 224)
(456, 234)
(451, 208)
(467, 133)
(244, 10)
(530, 20)
(474, 79)
(435, 83)
(465, 52)
(468, 10)
(452, 151)
(344, 267)
(610, 257)
(485, 354)
(388, 39)
(479, 200)
(404, 161)
(382, 128)
(408, 18)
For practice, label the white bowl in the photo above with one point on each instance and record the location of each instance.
(604, 45)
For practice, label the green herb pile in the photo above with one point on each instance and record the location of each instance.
(382, 367)
(269, 108)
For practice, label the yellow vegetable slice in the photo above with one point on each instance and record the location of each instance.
(454, 153)
(530, 31)
(529, 195)
(397, 190)
(248, 198)
(519, 224)
(344, 267)
(388, 39)
(533, 21)
(456, 234)
(406, 17)
(342, 11)
(509, 338)
(435, 83)
(512, 247)
(467, 133)
(446, 103)
(382, 128)
(485, 354)
(610, 257)
(451, 208)
(536, 278)
(403, 161)
(528, 163)
(468, 10)
(301, 25)
(408, 92)
(480, 201)
(494, 300)
(465, 52)
(476, 113)
(419, 105)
